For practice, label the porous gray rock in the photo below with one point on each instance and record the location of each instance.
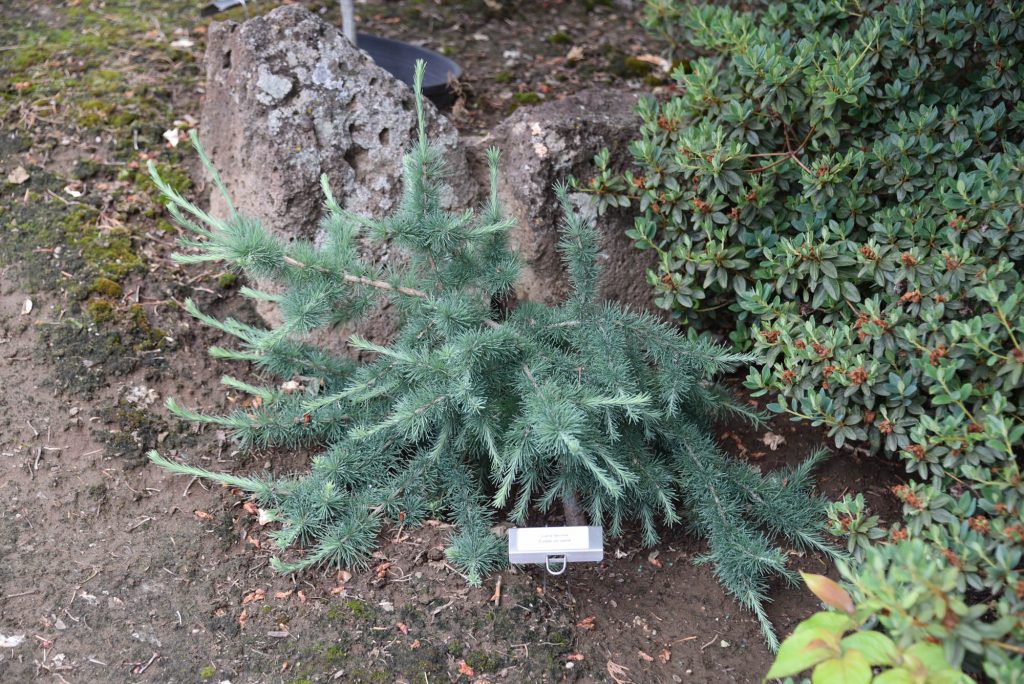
(548, 143)
(289, 98)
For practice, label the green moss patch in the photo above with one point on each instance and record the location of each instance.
(520, 99)
(132, 429)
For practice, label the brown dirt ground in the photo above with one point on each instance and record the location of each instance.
(115, 571)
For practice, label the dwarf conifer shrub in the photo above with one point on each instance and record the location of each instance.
(843, 184)
(473, 413)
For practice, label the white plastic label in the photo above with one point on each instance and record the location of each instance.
(553, 538)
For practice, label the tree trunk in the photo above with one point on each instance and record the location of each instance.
(574, 516)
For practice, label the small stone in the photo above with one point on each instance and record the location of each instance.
(723, 643)
(435, 554)
(18, 176)
(74, 411)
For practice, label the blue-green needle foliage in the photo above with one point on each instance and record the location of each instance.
(476, 412)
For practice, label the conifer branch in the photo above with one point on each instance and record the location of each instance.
(360, 280)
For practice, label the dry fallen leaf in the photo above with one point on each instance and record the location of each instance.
(414, 645)
(402, 627)
(665, 656)
(22, 86)
(18, 176)
(618, 673)
(656, 60)
(302, 596)
(773, 441)
(250, 402)
(645, 657)
(283, 594)
(575, 54)
(737, 441)
(382, 570)
(172, 136)
(465, 669)
(257, 595)
(12, 641)
(586, 623)
(251, 508)
(290, 387)
(344, 576)
(243, 618)
(203, 515)
(575, 657)
(652, 558)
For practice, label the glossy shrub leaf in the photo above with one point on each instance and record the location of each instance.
(829, 591)
(803, 650)
(876, 647)
(896, 675)
(851, 668)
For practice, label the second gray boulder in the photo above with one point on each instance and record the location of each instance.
(549, 143)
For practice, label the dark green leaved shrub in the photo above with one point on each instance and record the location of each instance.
(841, 185)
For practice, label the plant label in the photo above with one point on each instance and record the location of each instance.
(555, 547)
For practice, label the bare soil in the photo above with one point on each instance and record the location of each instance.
(114, 571)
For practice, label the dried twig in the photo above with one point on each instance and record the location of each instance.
(139, 669)
(496, 596)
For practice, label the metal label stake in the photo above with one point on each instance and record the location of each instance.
(555, 547)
